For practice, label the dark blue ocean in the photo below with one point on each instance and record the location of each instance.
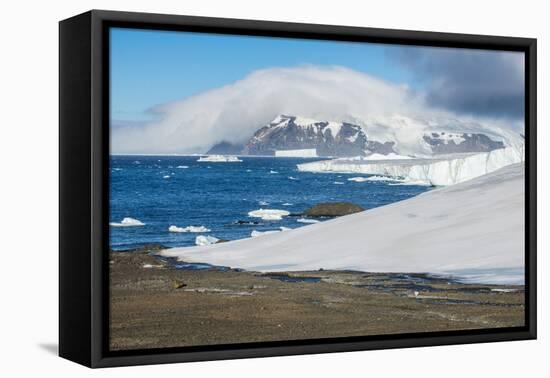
(161, 191)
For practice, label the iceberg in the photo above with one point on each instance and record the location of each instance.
(219, 159)
(440, 171)
(127, 222)
(269, 214)
(477, 226)
(188, 229)
(203, 240)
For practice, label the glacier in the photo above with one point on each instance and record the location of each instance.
(436, 171)
(308, 152)
(473, 230)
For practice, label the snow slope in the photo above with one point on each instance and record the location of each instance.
(473, 230)
(448, 170)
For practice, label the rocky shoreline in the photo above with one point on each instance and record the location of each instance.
(156, 304)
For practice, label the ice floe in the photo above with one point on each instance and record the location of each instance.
(269, 214)
(127, 222)
(203, 240)
(188, 229)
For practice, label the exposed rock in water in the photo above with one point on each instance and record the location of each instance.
(333, 209)
(246, 222)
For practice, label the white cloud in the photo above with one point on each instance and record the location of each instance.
(234, 112)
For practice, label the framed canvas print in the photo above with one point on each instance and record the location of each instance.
(234, 188)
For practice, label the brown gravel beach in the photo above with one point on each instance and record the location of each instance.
(154, 305)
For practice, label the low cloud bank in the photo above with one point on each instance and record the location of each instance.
(234, 112)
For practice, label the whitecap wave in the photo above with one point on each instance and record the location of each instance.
(182, 166)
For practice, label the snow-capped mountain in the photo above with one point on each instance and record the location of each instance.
(329, 138)
(381, 135)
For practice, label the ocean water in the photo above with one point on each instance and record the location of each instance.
(161, 191)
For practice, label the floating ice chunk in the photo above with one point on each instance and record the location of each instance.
(166, 177)
(263, 203)
(205, 240)
(182, 167)
(219, 159)
(292, 178)
(338, 183)
(188, 229)
(273, 172)
(127, 222)
(269, 214)
(306, 220)
(287, 204)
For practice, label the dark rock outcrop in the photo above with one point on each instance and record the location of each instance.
(333, 209)
(442, 143)
(291, 133)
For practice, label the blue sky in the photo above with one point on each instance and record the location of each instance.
(149, 68)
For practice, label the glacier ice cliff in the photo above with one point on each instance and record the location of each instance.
(438, 171)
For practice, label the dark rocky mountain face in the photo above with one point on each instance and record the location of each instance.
(342, 139)
(226, 148)
(294, 133)
(442, 143)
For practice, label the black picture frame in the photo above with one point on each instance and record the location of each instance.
(83, 181)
